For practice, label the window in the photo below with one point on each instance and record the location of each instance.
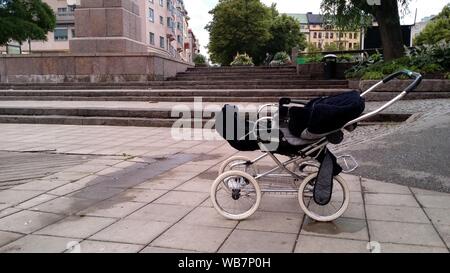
(179, 39)
(320, 35)
(326, 35)
(62, 10)
(350, 36)
(355, 35)
(332, 35)
(350, 45)
(151, 15)
(161, 20)
(72, 32)
(161, 3)
(161, 42)
(61, 34)
(152, 38)
(315, 35)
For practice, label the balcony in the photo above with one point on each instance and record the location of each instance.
(65, 17)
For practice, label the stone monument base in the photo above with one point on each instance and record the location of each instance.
(94, 68)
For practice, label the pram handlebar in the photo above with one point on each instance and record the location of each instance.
(413, 75)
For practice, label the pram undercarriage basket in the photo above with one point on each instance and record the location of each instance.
(300, 131)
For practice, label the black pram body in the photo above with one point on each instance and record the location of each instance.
(298, 126)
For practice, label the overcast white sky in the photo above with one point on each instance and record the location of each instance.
(198, 11)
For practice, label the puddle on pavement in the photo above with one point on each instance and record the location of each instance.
(206, 157)
(212, 175)
(107, 186)
(342, 225)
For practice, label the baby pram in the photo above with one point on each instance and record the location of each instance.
(300, 131)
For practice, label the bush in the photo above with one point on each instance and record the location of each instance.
(242, 60)
(316, 58)
(372, 75)
(281, 58)
(200, 59)
(346, 58)
(432, 68)
(424, 59)
(447, 76)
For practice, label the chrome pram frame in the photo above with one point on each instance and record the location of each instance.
(307, 159)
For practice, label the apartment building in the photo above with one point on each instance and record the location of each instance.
(164, 26)
(322, 35)
(167, 28)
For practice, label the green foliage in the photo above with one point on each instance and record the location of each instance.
(315, 58)
(200, 59)
(357, 14)
(436, 30)
(281, 58)
(431, 54)
(285, 35)
(252, 27)
(447, 76)
(425, 59)
(372, 75)
(310, 47)
(21, 20)
(346, 58)
(242, 60)
(331, 47)
(353, 14)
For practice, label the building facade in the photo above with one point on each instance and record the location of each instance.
(164, 29)
(322, 35)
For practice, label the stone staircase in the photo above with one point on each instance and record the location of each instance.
(150, 103)
(205, 79)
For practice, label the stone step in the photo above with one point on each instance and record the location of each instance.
(203, 77)
(174, 93)
(171, 87)
(113, 117)
(245, 69)
(377, 96)
(76, 120)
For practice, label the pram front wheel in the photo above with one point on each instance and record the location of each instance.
(236, 195)
(334, 209)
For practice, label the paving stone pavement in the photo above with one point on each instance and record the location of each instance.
(145, 191)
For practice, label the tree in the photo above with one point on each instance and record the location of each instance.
(437, 30)
(22, 20)
(248, 26)
(238, 26)
(334, 46)
(286, 34)
(351, 14)
(312, 48)
(200, 60)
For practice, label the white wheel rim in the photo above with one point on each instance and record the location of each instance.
(219, 181)
(320, 218)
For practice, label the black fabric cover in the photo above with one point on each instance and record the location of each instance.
(235, 128)
(323, 187)
(323, 115)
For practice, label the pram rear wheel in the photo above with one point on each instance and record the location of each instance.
(334, 209)
(235, 195)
